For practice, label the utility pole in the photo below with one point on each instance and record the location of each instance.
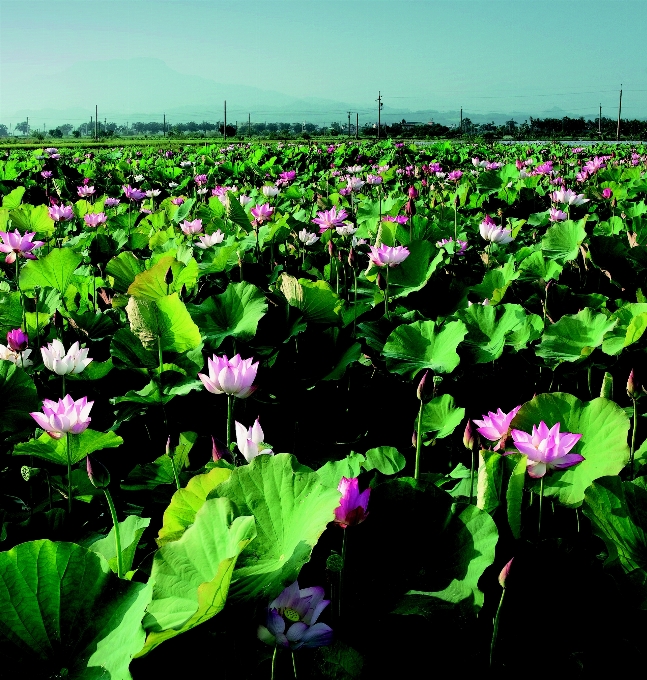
(356, 125)
(224, 127)
(90, 128)
(461, 120)
(349, 123)
(96, 122)
(164, 129)
(379, 109)
(619, 112)
(249, 124)
(600, 120)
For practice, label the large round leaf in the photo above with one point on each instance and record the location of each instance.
(291, 507)
(54, 270)
(191, 576)
(603, 426)
(416, 346)
(64, 614)
(18, 397)
(235, 313)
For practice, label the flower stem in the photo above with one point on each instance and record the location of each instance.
(69, 472)
(341, 573)
(354, 302)
(63, 385)
(495, 631)
(115, 522)
(472, 478)
(273, 663)
(416, 474)
(386, 295)
(541, 500)
(294, 666)
(230, 408)
(175, 472)
(633, 441)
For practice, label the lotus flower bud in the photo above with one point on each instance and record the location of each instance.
(607, 193)
(218, 449)
(381, 283)
(331, 248)
(633, 386)
(469, 436)
(410, 208)
(98, 473)
(351, 257)
(17, 340)
(421, 385)
(614, 203)
(505, 572)
(414, 439)
(413, 192)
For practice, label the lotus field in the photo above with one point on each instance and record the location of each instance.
(274, 411)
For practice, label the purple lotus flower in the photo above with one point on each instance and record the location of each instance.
(547, 449)
(607, 193)
(330, 219)
(496, 426)
(233, 377)
(66, 416)
(557, 215)
(16, 245)
(250, 441)
(493, 233)
(352, 509)
(177, 201)
(454, 175)
(462, 245)
(209, 240)
(346, 191)
(46, 174)
(59, 361)
(111, 202)
(374, 180)
(17, 340)
(60, 213)
(133, 194)
(262, 213)
(301, 609)
(190, 228)
(399, 219)
(94, 219)
(200, 180)
(544, 169)
(84, 190)
(386, 256)
(288, 176)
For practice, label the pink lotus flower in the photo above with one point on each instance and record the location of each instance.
(209, 240)
(262, 213)
(84, 190)
(60, 213)
(111, 202)
(94, 219)
(386, 256)
(493, 233)
(557, 215)
(190, 228)
(16, 245)
(352, 509)
(233, 377)
(249, 441)
(569, 197)
(200, 180)
(17, 340)
(46, 174)
(66, 416)
(329, 219)
(57, 360)
(354, 183)
(244, 200)
(374, 180)
(177, 201)
(399, 219)
(496, 426)
(133, 194)
(454, 175)
(547, 449)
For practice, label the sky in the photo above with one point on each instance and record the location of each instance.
(526, 56)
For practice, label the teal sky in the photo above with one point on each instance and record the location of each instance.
(483, 55)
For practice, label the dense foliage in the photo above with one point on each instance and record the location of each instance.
(160, 305)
